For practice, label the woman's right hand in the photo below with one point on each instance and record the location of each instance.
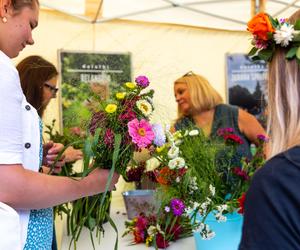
(98, 178)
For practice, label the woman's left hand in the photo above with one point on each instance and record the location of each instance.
(50, 153)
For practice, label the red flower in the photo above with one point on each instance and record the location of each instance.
(139, 236)
(141, 223)
(161, 242)
(127, 116)
(241, 173)
(231, 138)
(241, 201)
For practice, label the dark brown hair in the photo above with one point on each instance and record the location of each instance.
(34, 71)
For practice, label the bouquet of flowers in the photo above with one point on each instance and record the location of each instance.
(119, 127)
(196, 175)
(158, 230)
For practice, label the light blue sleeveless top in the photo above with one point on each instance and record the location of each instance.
(40, 226)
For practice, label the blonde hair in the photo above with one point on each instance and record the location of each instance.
(203, 96)
(284, 100)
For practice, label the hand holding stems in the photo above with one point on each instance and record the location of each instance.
(71, 154)
(100, 176)
(51, 151)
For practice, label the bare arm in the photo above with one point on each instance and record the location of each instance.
(25, 189)
(249, 126)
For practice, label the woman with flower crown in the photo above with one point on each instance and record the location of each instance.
(22, 188)
(200, 105)
(272, 214)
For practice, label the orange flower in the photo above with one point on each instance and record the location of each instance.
(165, 176)
(260, 26)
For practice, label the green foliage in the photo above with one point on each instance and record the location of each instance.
(207, 174)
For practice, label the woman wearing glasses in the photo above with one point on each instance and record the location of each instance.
(199, 104)
(38, 81)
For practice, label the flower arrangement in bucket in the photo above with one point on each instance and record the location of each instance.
(199, 179)
(119, 127)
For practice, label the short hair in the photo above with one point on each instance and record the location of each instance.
(203, 96)
(34, 71)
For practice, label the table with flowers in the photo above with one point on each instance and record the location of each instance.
(118, 214)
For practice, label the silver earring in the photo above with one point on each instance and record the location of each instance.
(4, 19)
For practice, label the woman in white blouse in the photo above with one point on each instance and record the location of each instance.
(20, 182)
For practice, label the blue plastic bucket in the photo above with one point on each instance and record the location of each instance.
(228, 234)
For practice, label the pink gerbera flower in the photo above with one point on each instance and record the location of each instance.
(141, 132)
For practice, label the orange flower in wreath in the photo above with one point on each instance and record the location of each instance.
(260, 26)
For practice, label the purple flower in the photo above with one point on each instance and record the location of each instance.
(109, 138)
(262, 138)
(142, 81)
(98, 121)
(160, 138)
(177, 206)
(223, 131)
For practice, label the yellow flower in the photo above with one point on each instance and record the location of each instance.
(149, 240)
(160, 149)
(67, 103)
(130, 85)
(120, 95)
(111, 108)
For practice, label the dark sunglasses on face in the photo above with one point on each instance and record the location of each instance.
(52, 89)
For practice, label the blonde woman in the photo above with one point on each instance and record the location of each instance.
(199, 104)
(272, 206)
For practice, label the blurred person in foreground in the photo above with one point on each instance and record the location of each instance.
(22, 187)
(272, 215)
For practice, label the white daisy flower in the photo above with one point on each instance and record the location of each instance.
(173, 152)
(152, 230)
(284, 35)
(167, 209)
(176, 163)
(152, 164)
(145, 107)
(194, 132)
(220, 217)
(212, 190)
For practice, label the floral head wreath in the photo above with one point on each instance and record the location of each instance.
(269, 34)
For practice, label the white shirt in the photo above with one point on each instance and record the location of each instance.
(19, 144)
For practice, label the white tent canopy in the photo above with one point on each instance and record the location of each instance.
(218, 14)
